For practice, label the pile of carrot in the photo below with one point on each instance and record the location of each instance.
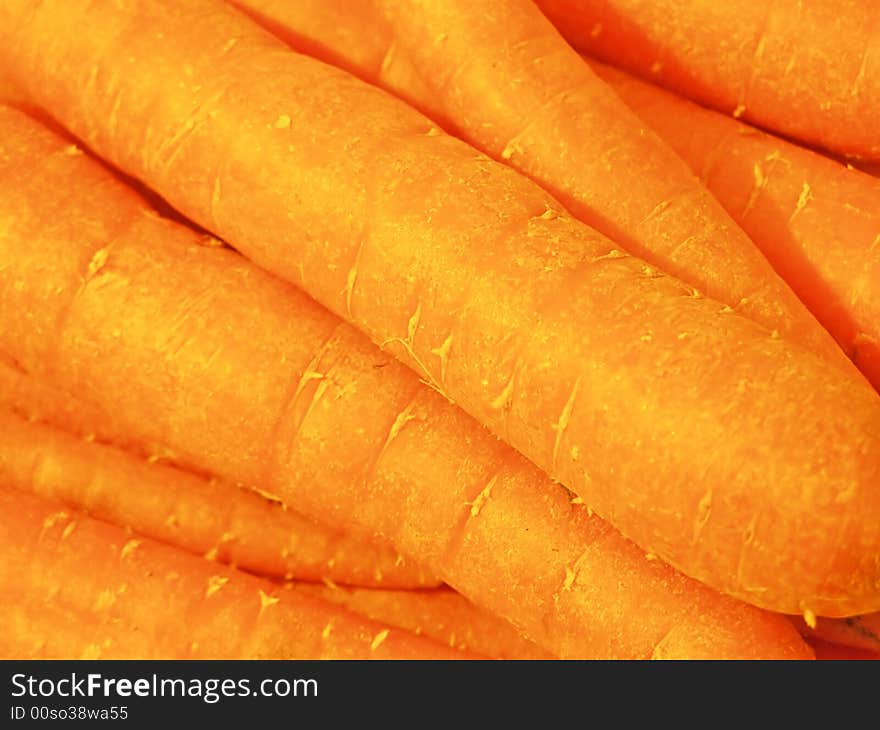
(401, 329)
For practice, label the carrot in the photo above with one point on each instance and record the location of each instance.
(246, 377)
(333, 30)
(50, 555)
(205, 516)
(561, 143)
(440, 614)
(816, 221)
(523, 95)
(858, 632)
(809, 70)
(36, 400)
(679, 421)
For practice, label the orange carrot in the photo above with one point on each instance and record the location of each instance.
(858, 632)
(333, 30)
(523, 95)
(247, 377)
(50, 555)
(205, 516)
(36, 400)
(816, 221)
(833, 273)
(679, 421)
(440, 614)
(810, 70)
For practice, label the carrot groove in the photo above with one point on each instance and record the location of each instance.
(795, 225)
(690, 428)
(205, 516)
(810, 70)
(794, 220)
(272, 380)
(570, 132)
(122, 610)
(440, 614)
(816, 221)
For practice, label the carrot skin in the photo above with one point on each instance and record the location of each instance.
(216, 612)
(816, 221)
(809, 70)
(207, 516)
(271, 381)
(582, 358)
(568, 131)
(439, 614)
(795, 220)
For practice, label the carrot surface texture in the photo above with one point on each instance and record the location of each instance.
(734, 455)
(816, 221)
(810, 70)
(439, 614)
(97, 591)
(206, 516)
(791, 201)
(567, 130)
(246, 377)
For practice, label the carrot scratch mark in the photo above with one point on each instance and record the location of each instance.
(704, 511)
(562, 423)
(53, 520)
(128, 549)
(388, 58)
(316, 396)
(97, 262)
(442, 353)
(803, 200)
(351, 279)
(402, 418)
(408, 344)
(503, 398)
(325, 634)
(570, 577)
(760, 184)
(378, 639)
(860, 76)
(172, 147)
(266, 600)
(612, 254)
(481, 499)
(215, 583)
(748, 540)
